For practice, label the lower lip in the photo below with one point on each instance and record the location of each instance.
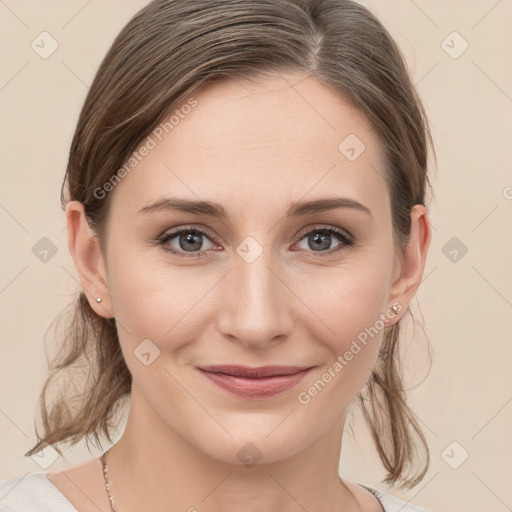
(262, 387)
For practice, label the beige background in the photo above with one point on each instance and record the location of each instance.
(465, 305)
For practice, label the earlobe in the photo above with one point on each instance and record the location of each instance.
(85, 250)
(411, 263)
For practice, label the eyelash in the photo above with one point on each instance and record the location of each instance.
(343, 236)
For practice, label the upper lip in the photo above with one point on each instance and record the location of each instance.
(252, 371)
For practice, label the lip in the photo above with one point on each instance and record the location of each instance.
(255, 382)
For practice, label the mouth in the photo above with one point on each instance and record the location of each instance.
(255, 382)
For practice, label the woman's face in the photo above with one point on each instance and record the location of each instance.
(265, 284)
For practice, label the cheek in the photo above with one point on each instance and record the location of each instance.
(349, 320)
(152, 300)
(346, 301)
(350, 334)
(139, 296)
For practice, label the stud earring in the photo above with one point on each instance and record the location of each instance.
(395, 308)
(98, 299)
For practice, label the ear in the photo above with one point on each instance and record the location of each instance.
(409, 265)
(89, 262)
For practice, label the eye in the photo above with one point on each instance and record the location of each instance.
(319, 240)
(188, 240)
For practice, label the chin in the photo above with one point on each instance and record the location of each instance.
(248, 450)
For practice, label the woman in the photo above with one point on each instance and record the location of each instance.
(245, 198)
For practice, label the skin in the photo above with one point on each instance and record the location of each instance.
(289, 306)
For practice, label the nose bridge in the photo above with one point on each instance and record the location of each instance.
(255, 305)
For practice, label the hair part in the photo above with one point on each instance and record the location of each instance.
(162, 55)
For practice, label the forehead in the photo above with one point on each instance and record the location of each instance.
(287, 134)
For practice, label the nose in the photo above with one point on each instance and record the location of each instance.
(255, 303)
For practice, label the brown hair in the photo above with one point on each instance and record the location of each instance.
(160, 57)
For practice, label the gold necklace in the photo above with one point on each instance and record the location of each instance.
(113, 507)
(107, 482)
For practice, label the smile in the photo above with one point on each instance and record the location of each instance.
(255, 383)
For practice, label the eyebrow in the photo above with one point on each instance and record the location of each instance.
(216, 210)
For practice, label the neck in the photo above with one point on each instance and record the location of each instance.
(154, 467)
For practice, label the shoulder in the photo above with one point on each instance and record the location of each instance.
(392, 504)
(32, 492)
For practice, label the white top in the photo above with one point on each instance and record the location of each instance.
(34, 492)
